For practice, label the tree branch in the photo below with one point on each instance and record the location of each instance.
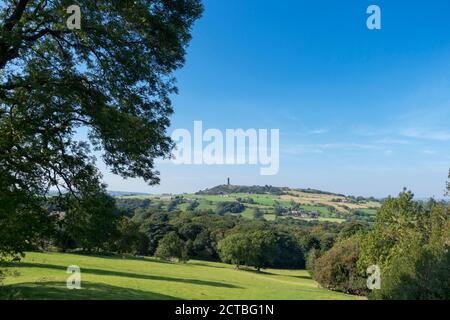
(16, 15)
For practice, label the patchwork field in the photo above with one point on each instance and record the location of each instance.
(329, 207)
(43, 276)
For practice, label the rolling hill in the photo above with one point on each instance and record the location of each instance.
(43, 276)
(305, 204)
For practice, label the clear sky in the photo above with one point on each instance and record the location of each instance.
(360, 112)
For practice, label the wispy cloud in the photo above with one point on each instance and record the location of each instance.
(395, 135)
(323, 147)
(429, 134)
(391, 141)
(319, 131)
(300, 149)
(347, 146)
(429, 152)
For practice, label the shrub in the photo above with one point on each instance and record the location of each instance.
(337, 268)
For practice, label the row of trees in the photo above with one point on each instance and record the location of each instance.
(257, 243)
(183, 235)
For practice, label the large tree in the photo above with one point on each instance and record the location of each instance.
(257, 248)
(171, 246)
(112, 77)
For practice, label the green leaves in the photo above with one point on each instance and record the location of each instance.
(410, 242)
(337, 268)
(171, 246)
(113, 75)
(257, 249)
(113, 78)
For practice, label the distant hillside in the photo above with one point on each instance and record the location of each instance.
(124, 194)
(53, 193)
(229, 189)
(269, 201)
(309, 190)
(267, 189)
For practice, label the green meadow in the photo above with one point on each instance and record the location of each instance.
(43, 276)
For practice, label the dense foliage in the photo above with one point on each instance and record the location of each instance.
(281, 244)
(152, 230)
(337, 268)
(114, 77)
(230, 207)
(171, 246)
(409, 242)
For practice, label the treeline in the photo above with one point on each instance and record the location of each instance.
(232, 239)
(309, 190)
(100, 226)
(228, 189)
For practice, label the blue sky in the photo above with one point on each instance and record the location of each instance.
(360, 112)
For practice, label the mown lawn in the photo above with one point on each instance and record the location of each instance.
(43, 276)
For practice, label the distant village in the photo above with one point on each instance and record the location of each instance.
(308, 214)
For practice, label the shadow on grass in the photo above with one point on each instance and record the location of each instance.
(89, 291)
(302, 277)
(102, 272)
(200, 264)
(118, 257)
(273, 273)
(249, 269)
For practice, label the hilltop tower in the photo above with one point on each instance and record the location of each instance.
(228, 182)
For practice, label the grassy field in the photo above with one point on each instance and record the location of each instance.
(43, 276)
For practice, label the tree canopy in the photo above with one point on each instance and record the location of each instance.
(410, 243)
(113, 77)
(257, 249)
(171, 246)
